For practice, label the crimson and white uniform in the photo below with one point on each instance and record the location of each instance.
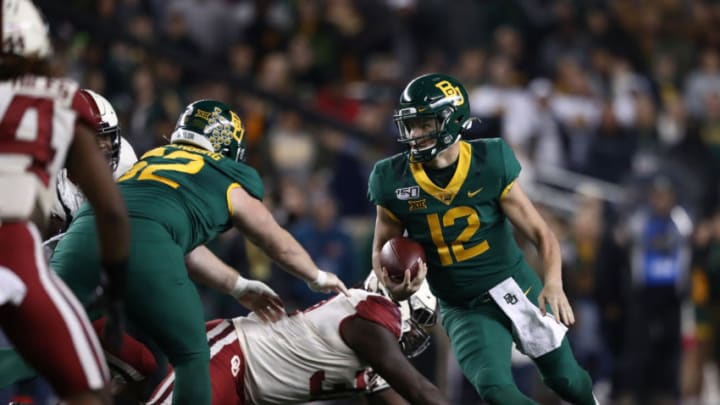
(37, 123)
(298, 359)
(69, 197)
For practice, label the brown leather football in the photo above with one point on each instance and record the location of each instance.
(401, 253)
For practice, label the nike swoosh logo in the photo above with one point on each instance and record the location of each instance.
(527, 291)
(472, 194)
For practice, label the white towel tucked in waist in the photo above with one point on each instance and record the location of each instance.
(535, 334)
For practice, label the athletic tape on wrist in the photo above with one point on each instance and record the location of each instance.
(240, 286)
(321, 278)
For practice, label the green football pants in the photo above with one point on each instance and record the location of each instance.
(160, 298)
(13, 367)
(481, 338)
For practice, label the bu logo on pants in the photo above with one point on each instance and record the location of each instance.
(510, 298)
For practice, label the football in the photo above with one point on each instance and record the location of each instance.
(399, 254)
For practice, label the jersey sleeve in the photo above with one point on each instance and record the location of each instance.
(85, 110)
(253, 184)
(381, 311)
(248, 178)
(510, 164)
(375, 186)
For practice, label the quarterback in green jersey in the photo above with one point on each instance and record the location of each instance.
(460, 200)
(179, 197)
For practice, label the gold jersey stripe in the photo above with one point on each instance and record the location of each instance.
(445, 195)
(507, 189)
(227, 196)
(391, 215)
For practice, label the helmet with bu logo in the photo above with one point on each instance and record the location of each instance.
(437, 102)
(211, 125)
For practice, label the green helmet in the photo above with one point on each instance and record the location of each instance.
(211, 125)
(435, 96)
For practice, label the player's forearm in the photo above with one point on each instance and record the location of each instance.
(207, 269)
(89, 169)
(428, 394)
(114, 233)
(549, 251)
(385, 397)
(386, 228)
(111, 217)
(265, 233)
(376, 261)
(379, 348)
(419, 391)
(290, 255)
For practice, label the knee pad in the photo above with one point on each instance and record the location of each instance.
(503, 394)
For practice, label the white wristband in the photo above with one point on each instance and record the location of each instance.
(240, 287)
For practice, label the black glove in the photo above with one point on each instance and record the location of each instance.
(108, 299)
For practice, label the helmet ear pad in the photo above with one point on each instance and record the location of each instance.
(437, 95)
(211, 125)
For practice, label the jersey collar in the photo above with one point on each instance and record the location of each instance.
(445, 195)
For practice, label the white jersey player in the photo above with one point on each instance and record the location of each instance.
(344, 346)
(118, 152)
(45, 125)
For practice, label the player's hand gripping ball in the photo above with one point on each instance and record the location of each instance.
(399, 254)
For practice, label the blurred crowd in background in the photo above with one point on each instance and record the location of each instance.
(612, 106)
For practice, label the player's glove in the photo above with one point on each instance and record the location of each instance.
(108, 299)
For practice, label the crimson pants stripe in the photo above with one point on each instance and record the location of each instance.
(84, 342)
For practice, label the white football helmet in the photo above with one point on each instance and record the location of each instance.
(107, 124)
(419, 314)
(24, 32)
